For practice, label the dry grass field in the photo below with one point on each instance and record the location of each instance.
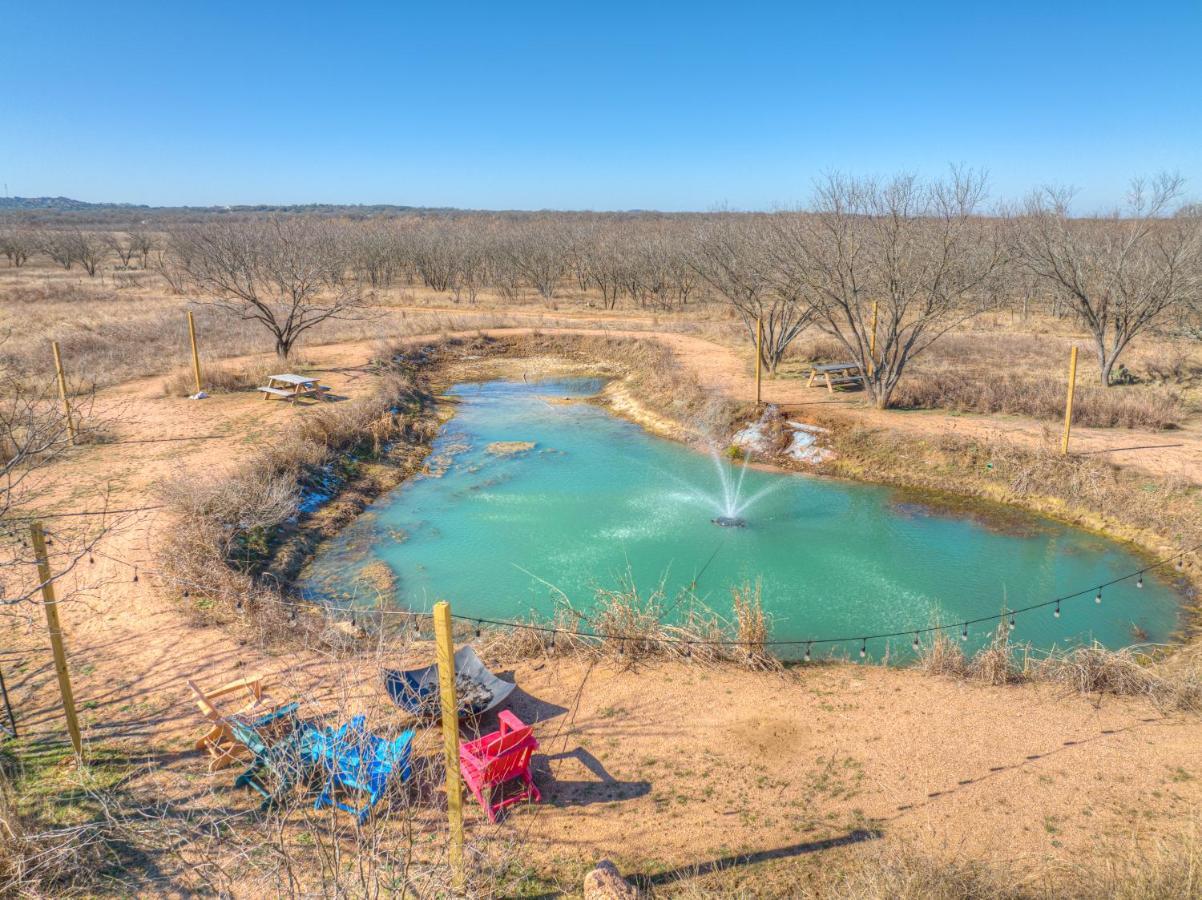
(833, 780)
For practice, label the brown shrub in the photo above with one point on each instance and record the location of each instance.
(1021, 395)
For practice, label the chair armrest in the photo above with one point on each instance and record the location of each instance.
(476, 761)
(509, 722)
(252, 683)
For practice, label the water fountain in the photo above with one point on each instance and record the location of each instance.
(731, 502)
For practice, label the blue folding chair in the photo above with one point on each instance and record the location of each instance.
(363, 763)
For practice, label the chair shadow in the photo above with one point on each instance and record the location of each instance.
(528, 708)
(647, 882)
(561, 793)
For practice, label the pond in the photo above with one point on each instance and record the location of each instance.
(533, 495)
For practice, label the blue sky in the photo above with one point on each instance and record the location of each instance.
(600, 106)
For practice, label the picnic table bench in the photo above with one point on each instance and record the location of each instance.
(293, 387)
(836, 373)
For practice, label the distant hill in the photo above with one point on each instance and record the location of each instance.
(59, 203)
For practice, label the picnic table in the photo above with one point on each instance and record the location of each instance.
(292, 387)
(836, 373)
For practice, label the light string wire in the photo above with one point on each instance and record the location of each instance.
(694, 642)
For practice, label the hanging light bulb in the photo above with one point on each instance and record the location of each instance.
(863, 648)
(916, 641)
(1140, 581)
(1098, 598)
(1012, 623)
(807, 656)
(135, 573)
(1180, 563)
(1056, 611)
(964, 633)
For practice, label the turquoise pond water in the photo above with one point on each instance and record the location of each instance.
(501, 535)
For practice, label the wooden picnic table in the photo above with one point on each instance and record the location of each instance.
(836, 373)
(292, 387)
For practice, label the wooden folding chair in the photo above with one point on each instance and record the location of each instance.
(219, 742)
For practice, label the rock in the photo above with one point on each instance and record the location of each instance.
(605, 882)
(200, 395)
(509, 448)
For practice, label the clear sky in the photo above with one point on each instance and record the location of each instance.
(613, 105)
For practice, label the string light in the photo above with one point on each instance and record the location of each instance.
(478, 628)
(916, 641)
(1098, 598)
(660, 644)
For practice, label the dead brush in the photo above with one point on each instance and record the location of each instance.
(218, 379)
(751, 625)
(1098, 670)
(1155, 409)
(942, 655)
(995, 663)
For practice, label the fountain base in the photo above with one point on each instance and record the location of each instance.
(729, 521)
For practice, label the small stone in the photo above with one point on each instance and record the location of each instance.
(605, 882)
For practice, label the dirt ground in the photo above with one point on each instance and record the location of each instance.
(671, 768)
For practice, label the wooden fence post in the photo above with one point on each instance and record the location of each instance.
(759, 357)
(195, 355)
(62, 392)
(450, 736)
(56, 635)
(1068, 404)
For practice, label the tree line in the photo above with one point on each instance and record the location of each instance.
(884, 266)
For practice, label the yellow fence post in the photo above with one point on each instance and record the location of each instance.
(56, 634)
(450, 736)
(62, 392)
(759, 358)
(195, 355)
(1068, 405)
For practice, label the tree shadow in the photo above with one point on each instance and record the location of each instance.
(647, 882)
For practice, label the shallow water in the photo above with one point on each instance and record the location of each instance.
(502, 534)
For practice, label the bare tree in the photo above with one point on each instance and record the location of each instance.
(288, 274)
(915, 252)
(731, 255)
(121, 244)
(538, 251)
(1121, 275)
(59, 246)
(142, 243)
(16, 244)
(91, 250)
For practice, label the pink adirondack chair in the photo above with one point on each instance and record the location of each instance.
(491, 761)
